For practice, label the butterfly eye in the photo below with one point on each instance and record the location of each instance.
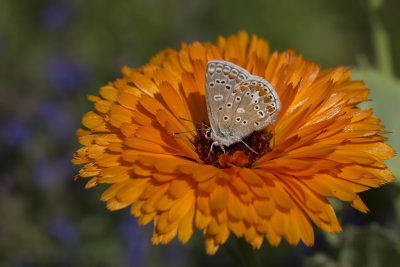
(261, 113)
(229, 105)
(220, 108)
(238, 98)
(223, 81)
(248, 93)
(253, 82)
(238, 119)
(257, 123)
(257, 107)
(212, 84)
(244, 122)
(217, 81)
(226, 118)
(228, 87)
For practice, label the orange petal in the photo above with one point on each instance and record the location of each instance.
(219, 198)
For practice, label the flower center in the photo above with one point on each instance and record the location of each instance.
(237, 154)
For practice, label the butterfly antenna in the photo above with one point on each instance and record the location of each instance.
(185, 132)
(194, 122)
(252, 150)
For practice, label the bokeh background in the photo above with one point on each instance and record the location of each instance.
(54, 53)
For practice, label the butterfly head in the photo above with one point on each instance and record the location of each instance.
(209, 133)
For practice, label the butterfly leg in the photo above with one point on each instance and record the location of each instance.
(215, 143)
(222, 147)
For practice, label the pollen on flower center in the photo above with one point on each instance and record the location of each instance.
(237, 154)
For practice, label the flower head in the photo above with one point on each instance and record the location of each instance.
(321, 145)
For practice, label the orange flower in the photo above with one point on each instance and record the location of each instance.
(320, 146)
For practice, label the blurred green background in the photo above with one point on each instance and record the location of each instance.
(54, 53)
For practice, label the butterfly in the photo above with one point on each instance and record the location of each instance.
(238, 103)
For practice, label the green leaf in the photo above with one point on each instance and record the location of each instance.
(385, 96)
(370, 246)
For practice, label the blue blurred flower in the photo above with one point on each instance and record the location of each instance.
(319, 242)
(55, 15)
(21, 261)
(135, 244)
(15, 133)
(66, 75)
(63, 230)
(176, 255)
(354, 217)
(58, 119)
(51, 173)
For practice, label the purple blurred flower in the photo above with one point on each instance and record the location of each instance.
(136, 247)
(65, 75)
(176, 255)
(51, 173)
(55, 15)
(15, 133)
(21, 261)
(302, 250)
(62, 230)
(58, 119)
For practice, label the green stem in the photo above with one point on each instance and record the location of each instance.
(380, 38)
(249, 255)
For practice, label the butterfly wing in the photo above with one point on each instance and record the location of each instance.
(251, 106)
(220, 79)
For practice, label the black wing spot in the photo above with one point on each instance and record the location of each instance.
(218, 97)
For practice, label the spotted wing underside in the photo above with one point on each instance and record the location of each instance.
(221, 78)
(251, 106)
